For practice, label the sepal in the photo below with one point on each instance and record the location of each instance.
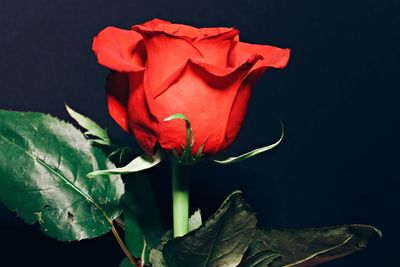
(186, 156)
(230, 160)
(140, 163)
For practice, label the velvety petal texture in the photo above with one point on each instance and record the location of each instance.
(128, 106)
(160, 68)
(115, 49)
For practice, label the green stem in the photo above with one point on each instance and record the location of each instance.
(180, 198)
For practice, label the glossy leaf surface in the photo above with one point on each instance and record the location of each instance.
(260, 259)
(43, 163)
(310, 247)
(221, 241)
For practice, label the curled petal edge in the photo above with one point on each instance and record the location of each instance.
(215, 71)
(114, 49)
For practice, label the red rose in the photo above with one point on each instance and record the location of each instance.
(162, 69)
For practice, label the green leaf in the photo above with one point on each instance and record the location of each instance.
(230, 160)
(91, 127)
(134, 237)
(195, 221)
(43, 162)
(140, 163)
(311, 247)
(116, 153)
(260, 259)
(142, 218)
(220, 241)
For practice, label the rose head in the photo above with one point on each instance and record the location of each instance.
(162, 69)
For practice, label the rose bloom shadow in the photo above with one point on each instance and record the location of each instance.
(160, 69)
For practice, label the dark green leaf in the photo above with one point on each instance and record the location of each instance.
(260, 259)
(140, 163)
(43, 163)
(221, 241)
(230, 160)
(142, 219)
(91, 127)
(195, 221)
(311, 247)
(134, 237)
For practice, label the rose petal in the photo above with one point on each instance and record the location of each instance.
(165, 56)
(127, 105)
(271, 56)
(178, 30)
(239, 108)
(221, 71)
(116, 49)
(174, 30)
(203, 97)
(215, 47)
(117, 96)
(169, 46)
(154, 23)
(213, 31)
(142, 123)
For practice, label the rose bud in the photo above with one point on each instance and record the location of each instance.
(161, 69)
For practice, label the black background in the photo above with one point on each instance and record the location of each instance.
(338, 100)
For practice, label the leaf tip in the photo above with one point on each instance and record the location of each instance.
(368, 230)
(378, 232)
(91, 175)
(237, 194)
(177, 116)
(69, 109)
